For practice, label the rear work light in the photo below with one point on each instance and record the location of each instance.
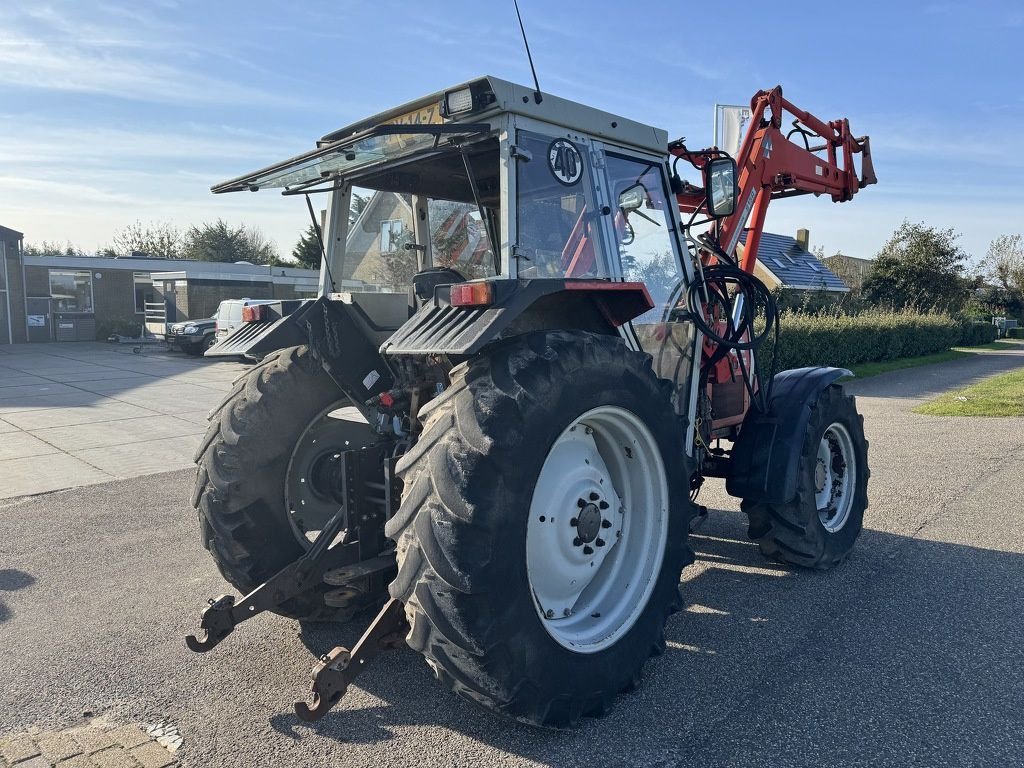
(253, 314)
(472, 294)
(458, 101)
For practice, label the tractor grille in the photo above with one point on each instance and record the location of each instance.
(432, 329)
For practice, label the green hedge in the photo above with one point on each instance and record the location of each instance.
(973, 333)
(872, 336)
(1015, 333)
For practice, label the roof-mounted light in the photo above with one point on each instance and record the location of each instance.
(456, 102)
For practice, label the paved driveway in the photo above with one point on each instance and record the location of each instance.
(908, 654)
(78, 414)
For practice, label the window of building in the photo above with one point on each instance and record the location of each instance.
(144, 292)
(390, 235)
(71, 290)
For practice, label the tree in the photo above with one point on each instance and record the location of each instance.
(307, 250)
(46, 248)
(920, 267)
(359, 202)
(222, 242)
(158, 239)
(1004, 262)
(1003, 270)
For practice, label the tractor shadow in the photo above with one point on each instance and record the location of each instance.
(910, 647)
(11, 580)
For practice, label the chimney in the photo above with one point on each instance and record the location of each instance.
(803, 239)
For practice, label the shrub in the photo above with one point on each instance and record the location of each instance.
(872, 336)
(129, 327)
(1015, 333)
(973, 333)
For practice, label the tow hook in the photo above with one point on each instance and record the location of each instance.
(337, 669)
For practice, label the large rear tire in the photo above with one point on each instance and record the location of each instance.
(818, 528)
(539, 450)
(266, 442)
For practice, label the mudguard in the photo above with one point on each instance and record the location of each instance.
(518, 306)
(337, 336)
(766, 455)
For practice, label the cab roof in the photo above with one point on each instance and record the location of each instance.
(519, 99)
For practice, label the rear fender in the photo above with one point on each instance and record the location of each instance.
(518, 306)
(335, 338)
(766, 455)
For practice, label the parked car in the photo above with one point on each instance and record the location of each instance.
(229, 314)
(194, 336)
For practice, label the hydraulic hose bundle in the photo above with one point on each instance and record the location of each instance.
(724, 293)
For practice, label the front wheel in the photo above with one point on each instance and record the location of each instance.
(818, 528)
(543, 526)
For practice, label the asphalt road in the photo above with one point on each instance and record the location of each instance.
(908, 654)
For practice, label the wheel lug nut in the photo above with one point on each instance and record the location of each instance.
(606, 523)
(573, 522)
(594, 496)
(603, 504)
(588, 550)
(581, 503)
(577, 541)
(600, 542)
(549, 613)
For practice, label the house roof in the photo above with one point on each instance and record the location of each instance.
(793, 266)
(6, 233)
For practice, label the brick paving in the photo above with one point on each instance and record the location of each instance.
(97, 745)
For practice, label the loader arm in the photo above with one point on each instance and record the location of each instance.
(772, 164)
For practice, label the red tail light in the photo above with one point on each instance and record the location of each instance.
(472, 294)
(253, 314)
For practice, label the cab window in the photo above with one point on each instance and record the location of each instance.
(643, 230)
(557, 221)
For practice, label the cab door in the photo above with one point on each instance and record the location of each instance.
(642, 230)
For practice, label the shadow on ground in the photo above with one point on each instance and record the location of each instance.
(907, 653)
(11, 579)
(932, 380)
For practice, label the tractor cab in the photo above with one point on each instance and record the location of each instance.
(495, 182)
(489, 181)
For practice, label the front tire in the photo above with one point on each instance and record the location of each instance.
(819, 527)
(490, 541)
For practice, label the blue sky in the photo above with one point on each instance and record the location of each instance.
(112, 112)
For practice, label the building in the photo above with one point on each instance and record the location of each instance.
(850, 269)
(786, 263)
(12, 296)
(83, 298)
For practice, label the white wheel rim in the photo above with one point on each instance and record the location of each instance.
(602, 481)
(835, 471)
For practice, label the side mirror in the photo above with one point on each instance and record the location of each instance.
(632, 198)
(720, 186)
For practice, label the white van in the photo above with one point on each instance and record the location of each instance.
(229, 314)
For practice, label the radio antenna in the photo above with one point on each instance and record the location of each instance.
(537, 97)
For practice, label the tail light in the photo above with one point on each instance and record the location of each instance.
(253, 314)
(472, 294)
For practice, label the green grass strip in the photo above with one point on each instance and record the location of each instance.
(1001, 395)
(863, 370)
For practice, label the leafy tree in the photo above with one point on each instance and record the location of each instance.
(359, 202)
(222, 242)
(47, 248)
(158, 239)
(920, 267)
(307, 250)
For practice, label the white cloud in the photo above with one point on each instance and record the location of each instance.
(57, 49)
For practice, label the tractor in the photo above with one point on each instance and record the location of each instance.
(530, 348)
